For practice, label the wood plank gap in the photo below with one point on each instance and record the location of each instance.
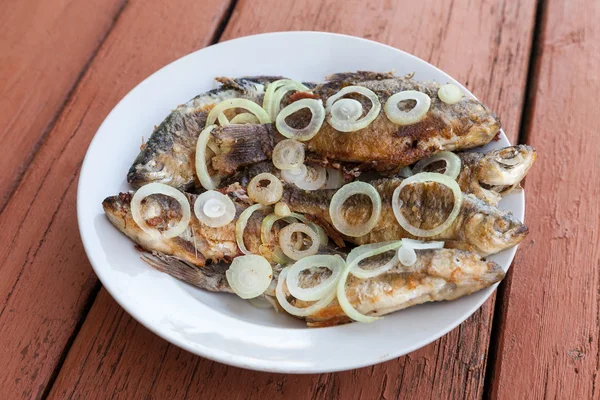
(63, 355)
(503, 291)
(36, 147)
(532, 73)
(223, 23)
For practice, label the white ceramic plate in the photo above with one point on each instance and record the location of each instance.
(223, 327)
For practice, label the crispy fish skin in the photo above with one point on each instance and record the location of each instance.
(387, 146)
(479, 227)
(494, 174)
(442, 274)
(199, 245)
(168, 155)
(384, 146)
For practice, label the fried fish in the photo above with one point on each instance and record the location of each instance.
(438, 275)
(382, 146)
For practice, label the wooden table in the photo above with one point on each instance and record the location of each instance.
(65, 64)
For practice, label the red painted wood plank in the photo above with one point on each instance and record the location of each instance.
(549, 343)
(486, 47)
(45, 279)
(43, 50)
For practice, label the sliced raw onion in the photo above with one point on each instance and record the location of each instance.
(337, 203)
(345, 116)
(297, 311)
(335, 178)
(244, 118)
(267, 225)
(346, 110)
(265, 195)
(240, 225)
(362, 273)
(452, 161)
(160, 188)
(223, 121)
(407, 256)
(422, 245)
(335, 264)
(246, 104)
(260, 302)
(314, 178)
(249, 276)
(282, 209)
(450, 93)
(275, 93)
(413, 116)
(350, 267)
(208, 182)
(323, 238)
(214, 209)
(288, 154)
(292, 175)
(421, 178)
(288, 245)
(310, 130)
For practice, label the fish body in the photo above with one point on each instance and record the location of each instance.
(479, 227)
(386, 146)
(438, 275)
(168, 155)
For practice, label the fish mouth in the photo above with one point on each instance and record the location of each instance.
(503, 169)
(509, 231)
(141, 174)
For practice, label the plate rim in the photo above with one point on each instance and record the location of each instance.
(257, 364)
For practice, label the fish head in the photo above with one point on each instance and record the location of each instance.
(503, 169)
(153, 166)
(117, 208)
(158, 211)
(490, 230)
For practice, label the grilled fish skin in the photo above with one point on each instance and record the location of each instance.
(168, 155)
(442, 274)
(492, 175)
(479, 227)
(384, 146)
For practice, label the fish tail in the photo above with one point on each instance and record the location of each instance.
(211, 277)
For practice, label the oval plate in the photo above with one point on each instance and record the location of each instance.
(222, 327)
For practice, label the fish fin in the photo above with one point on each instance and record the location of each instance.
(211, 277)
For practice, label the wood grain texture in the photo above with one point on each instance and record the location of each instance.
(549, 340)
(485, 45)
(45, 278)
(44, 51)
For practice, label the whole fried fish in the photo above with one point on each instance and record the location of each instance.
(382, 146)
(479, 227)
(442, 274)
(488, 176)
(168, 155)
